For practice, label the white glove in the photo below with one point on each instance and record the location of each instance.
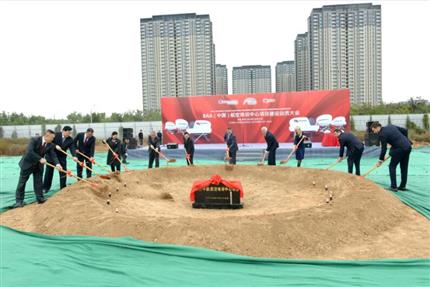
(42, 160)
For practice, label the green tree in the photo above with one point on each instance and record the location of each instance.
(426, 122)
(116, 117)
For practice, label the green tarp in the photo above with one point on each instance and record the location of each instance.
(37, 260)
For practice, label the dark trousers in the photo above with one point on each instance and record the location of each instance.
(24, 175)
(124, 158)
(79, 168)
(49, 173)
(116, 165)
(354, 158)
(272, 157)
(153, 157)
(399, 156)
(190, 160)
(232, 156)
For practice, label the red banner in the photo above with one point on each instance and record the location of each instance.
(206, 118)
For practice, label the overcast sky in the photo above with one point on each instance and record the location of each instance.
(59, 57)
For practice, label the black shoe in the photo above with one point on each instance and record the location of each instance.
(41, 201)
(402, 188)
(395, 189)
(18, 204)
(45, 191)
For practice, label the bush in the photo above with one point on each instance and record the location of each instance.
(410, 124)
(1, 133)
(12, 147)
(426, 122)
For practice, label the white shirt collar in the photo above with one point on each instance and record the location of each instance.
(43, 140)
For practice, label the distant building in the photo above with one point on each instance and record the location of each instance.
(302, 62)
(285, 76)
(221, 80)
(252, 79)
(178, 57)
(345, 50)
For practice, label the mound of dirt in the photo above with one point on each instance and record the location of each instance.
(285, 214)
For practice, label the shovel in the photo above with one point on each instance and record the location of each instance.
(81, 163)
(69, 173)
(162, 155)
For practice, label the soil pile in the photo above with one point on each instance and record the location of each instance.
(285, 214)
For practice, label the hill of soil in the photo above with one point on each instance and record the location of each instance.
(285, 215)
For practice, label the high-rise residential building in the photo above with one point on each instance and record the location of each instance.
(221, 80)
(345, 50)
(285, 76)
(252, 79)
(178, 57)
(302, 61)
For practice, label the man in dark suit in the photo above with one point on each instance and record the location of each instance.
(400, 150)
(189, 148)
(230, 140)
(32, 163)
(85, 143)
(113, 159)
(65, 141)
(153, 143)
(272, 145)
(354, 147)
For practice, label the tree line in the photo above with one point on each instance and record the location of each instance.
(78, 118)
(410, 107)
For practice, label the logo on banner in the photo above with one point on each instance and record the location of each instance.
(250, 101)
(266, 101)
(228, 102)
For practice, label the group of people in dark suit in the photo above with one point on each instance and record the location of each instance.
(396, 136)
(43, 149)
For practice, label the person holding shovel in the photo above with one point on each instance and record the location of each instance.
(85, 143)
(299, 146)
(230, 140)
(154, 146)
(400, 151)
(354, 149)
(32, 163)
(114, 153)
(272, 145)
(189, 148)
(65, 142)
